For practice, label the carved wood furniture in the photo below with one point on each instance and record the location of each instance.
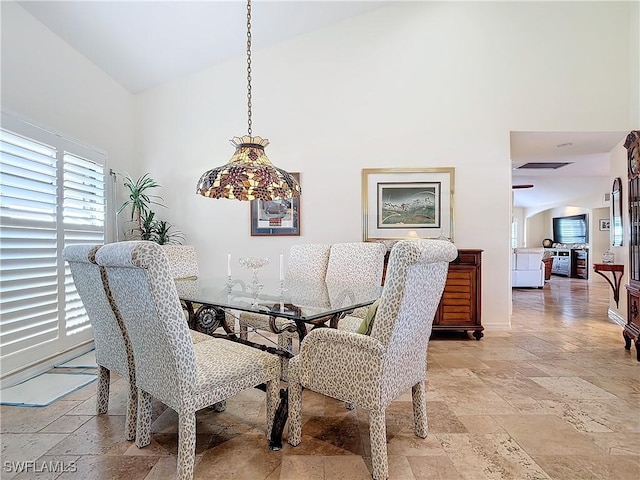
(617, 271)
(632, 328)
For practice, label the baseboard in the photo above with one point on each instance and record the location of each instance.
(28, 371)
(616, 317)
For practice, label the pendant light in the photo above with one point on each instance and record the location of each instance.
(249, 175)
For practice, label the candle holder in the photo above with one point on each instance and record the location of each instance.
(254, 264)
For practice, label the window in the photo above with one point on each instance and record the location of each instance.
(52, 195)
(571, 229)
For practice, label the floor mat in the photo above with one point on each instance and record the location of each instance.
(87, 360)
(44, 389)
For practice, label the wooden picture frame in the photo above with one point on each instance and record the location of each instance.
(278, 217)
(396, 201)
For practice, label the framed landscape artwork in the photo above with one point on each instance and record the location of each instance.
(277, 217)
(396, 201)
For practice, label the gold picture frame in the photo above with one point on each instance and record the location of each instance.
(396, 201)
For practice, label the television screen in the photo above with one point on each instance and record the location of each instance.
(572, 229)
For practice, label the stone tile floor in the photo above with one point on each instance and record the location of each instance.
(557, 397)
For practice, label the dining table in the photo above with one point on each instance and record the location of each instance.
(292, 305)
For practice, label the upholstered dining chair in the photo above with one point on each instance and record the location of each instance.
(376, 369)
(183, 261)
(361, 263)
(112, 346)
(307, 263)
(183, 264)
(169, 366)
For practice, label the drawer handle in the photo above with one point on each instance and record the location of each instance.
(634, 309)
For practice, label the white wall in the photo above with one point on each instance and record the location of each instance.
(47, 82)
(412, 85)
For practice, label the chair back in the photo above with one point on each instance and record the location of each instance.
(112, 346)
(358, 262)
(308, 262)
(143, 288)
(183, 261)
(416, 276)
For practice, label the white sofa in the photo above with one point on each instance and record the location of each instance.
(527, 267)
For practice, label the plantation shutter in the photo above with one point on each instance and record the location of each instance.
(52, 194)
(83, 215)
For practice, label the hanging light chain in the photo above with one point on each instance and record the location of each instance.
(249, 121)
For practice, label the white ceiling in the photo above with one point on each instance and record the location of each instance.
(142, 44)
(587, 153)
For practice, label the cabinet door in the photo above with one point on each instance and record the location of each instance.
(457, 306)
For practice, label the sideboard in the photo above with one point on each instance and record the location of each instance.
(461, 303)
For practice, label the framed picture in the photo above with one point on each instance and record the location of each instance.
(277, 217)
(396, 201)
(605, 224)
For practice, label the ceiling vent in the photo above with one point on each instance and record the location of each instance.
(544, 165)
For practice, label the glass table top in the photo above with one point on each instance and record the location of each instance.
(301, 300)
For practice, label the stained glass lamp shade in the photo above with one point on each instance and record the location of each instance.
(249, 175)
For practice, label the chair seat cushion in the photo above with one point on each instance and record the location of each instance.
(226, 367)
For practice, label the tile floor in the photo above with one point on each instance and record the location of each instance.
(557, 397)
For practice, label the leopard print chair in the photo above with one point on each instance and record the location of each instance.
(361, 263)
(183, 261)
(112, 346)
(377, 369)
(169, 366)
(307, 263)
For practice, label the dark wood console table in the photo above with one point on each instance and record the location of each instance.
(461, 303)
(617, 270)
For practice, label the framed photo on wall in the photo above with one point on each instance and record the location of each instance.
(396, 201)
(605, 224)
(277, 217)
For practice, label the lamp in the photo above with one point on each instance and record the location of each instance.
(249, 175)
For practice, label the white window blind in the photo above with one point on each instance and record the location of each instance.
(52, 194)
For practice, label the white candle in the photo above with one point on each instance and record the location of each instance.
(281, 267)
(228, 264)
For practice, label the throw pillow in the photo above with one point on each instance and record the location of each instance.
(367, 323)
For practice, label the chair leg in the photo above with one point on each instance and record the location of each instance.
(421, 425)
(243, 331)
(132, 413)
(378, 435)
(295, 413)
(285, 343)
(102, 398)
(273, 400)
(143, 425)
(186, 445)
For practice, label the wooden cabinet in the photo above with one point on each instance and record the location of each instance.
(580, 263)
(570, 262)
(461, 303)
(631, 330)
(561, 261)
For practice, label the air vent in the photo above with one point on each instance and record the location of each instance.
(545, 165)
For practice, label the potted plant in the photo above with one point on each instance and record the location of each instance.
(147, 227)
